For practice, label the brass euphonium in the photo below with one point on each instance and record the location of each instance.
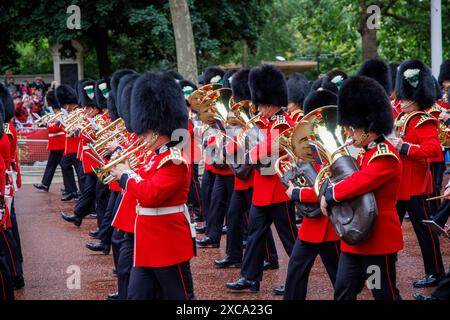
(443, 130)
(195, 98)
(215, 108)
(352, 219)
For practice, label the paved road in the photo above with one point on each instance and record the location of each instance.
(51, 246)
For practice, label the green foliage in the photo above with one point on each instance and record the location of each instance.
(140, 33)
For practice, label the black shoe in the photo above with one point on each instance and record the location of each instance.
(98, 247)
(93, 216)
(278, 291)
(197, 218)
(63, 191)
(94, 234)
(200, 230)
(113, 296)
(208, 243)
(427, 281)
(69, 196)
(18, 282)
(271, 265)
(40, 186)
(243, 285)
(224, 230)
(422, 297)
(76, 220)
(227, 263)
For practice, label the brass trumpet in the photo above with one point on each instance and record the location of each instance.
(104, 173)
(118, 123)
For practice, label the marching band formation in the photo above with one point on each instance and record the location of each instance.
(155, 155)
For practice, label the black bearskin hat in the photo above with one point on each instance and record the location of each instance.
(65, 95)
(393, 68)
(51, 100)
(76, 86)
(102, 89)
(378, 70)
(187, 87)
(267, 86)
(315, 85)
(157, 104)
(123, 102)
(228, 78)
(213, 75)
(363, 103)
(86, 92)
(444, 73)
(298, 88)
(415, 82)
(114, 83)
(111, 104)
(437, 87)
(333, 80)
(318, 99)
(239, 85)
(175, 74)
(8, 104)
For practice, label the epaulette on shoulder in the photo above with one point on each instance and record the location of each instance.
(280, 122)
(175, 156)
(383, 151)
(425, 118)
(435, 109)
(7, 129)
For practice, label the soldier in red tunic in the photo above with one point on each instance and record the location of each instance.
(6, 285)
(270, 203)
(364, 108)
(163, 232)
(417, 141)
(56, 143)
(316, 236)
(67, 98)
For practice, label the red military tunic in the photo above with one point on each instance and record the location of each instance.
(56, 137)
(88, 161)
(396, 110)
(381, 173)
(161, 240)
(318, 229)
(421, 143)
(268, 188)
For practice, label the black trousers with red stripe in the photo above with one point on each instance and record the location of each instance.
(6, 285)
(194, 196)
(237, 225)
(206, 189)
(220, 201)
(302, 260)
(11, 253)
(261, 218)
(355, 269)
(165, 283)
(428, 240)
(437, 171)
(53, 161)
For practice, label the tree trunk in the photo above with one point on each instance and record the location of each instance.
(369, 44)
(184, 39)
(100, 38)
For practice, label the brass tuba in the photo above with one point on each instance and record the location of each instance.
(352, 220)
